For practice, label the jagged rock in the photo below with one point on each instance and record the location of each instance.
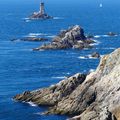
(72, 38)
(95, 97)
(53, 94)
(95, 55)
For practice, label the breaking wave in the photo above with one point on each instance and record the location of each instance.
(99, 36)
(96, 43)
(60, 77)
(32, 104)
(109, 48)
(87, 57)
(58, 18)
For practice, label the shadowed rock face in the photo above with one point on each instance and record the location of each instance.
(92, 97)
(72, 38)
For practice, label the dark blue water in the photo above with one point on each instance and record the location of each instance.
(23, 69)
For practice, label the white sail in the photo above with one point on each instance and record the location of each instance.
(101, 5)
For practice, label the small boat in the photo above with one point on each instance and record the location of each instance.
(101, 5)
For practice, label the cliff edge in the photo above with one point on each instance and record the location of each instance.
(95, 96)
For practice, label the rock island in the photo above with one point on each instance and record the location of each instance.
(41, 14)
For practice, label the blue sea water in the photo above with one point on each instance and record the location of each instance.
(23, 69)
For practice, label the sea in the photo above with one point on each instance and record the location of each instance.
(23, 69)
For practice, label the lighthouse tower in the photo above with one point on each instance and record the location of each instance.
(42, 10)
(41, 14)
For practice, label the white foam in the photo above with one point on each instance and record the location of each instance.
(96, 43)
(32, 104)
(105, 35)
(58, 18)
(38, 113)
(68, 73)
(51, 36)
(26, 18)
(97, 36)
(91, 70)
(36, 34)
(109, 48)
(61, 77)
(87, 57)
(82, 57)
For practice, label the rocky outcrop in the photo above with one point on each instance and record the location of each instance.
(112, 34)
(53, 94)
(72, 38)
(38, 15)
(31, 39)
(92, 97)
(95, 55)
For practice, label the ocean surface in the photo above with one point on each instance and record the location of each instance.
(23, 69)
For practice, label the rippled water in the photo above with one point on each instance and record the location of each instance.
(23, 69)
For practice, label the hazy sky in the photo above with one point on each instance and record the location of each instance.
(65, 2)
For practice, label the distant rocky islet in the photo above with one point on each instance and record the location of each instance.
(73, 37)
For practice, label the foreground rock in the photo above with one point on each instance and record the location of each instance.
(72, 38)
(92, 97)
(31, 39)
(53, 94)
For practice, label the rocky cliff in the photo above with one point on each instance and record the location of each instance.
(73, 37)
(95, 96)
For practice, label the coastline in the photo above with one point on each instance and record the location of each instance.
(82, 94)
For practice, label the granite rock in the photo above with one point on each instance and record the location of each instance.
(92, 97)
(73, 37)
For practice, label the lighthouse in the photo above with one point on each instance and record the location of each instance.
(42, 10)
(41, 14)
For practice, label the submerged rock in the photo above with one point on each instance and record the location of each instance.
(95, 55)
(72, 38)
(112, 34)
(31, 39)
(92, 97)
